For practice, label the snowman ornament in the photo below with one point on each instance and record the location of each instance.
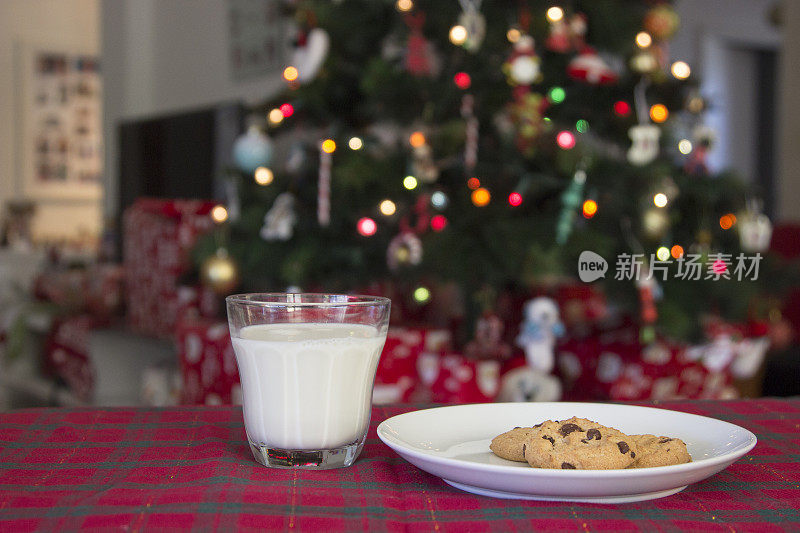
(644, 149)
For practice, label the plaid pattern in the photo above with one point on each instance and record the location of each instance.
(189, 468)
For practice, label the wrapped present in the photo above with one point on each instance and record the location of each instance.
(159, 235)
(207, 363)
(397, 376)
(66, 353)
(455, 379)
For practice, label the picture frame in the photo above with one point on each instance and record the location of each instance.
(59, 148)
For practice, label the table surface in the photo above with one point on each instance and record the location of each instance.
(184, 468)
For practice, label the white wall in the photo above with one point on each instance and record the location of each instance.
(67, 23)
(165, 56)
(711, 38)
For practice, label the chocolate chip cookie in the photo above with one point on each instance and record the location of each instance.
(659, 451)
(579, 444)
(510, 445)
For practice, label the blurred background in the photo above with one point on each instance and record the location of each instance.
(587, 200)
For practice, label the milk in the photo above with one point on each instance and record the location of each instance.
(307, 386)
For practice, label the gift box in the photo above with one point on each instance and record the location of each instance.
(159, 235)
(66, 353)
(209, 374)
(452, 378)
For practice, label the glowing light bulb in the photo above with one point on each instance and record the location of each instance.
(328, 146)
(685, 146)
(387, 207)
(513, 35)
(275, 116)
(622, 108)
(481, 197)
(643, 39)
(557, 95)
(727, 221)
(589, 208)
(566, 140)
(219, 214)
(439, 200)
(422, 294)
(677, 251)
(287, 110)
(263, 176)
(410, 182)
(290, 74)
(366, 226)
(355, 143)
(662, 253)
(462, 80)
(416, 139)
(555, 13)
(660, 199)
(458, 35)
(659, 113)
(404, 5)
(681, 70)
(582, 126)
(473, 183)
(515, 199)
(438, 223)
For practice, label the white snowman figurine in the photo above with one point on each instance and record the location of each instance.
(533, 382)
(541, 327)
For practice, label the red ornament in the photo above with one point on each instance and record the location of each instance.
(515, 199)
(589, 67)
(287, 109)
(462, 80)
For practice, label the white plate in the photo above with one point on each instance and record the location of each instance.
(453, 443)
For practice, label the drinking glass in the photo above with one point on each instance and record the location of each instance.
(307, 366)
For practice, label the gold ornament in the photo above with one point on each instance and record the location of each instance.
(220, 273)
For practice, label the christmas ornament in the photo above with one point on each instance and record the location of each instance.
(219, 272)
(473, 22)
(570, 200)
(471, 132)
(404, 249)
(488, 342)
(661, 22)
(567, 35)
(310, 53)
(655, 222)
(420, 56)
(422, 214)
(590, 68)
(755, 229)
(422, 164)
(523, 65)
(525, 114)
(644, 149)
(538, 333)
(324, 182)
(280, 219)
(252, 149)
(703, 139)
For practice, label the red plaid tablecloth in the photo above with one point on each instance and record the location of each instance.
(182, 468)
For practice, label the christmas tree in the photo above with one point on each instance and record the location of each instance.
(456, 151)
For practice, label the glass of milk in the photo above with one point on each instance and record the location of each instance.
(307, 364)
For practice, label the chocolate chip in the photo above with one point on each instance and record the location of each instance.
(584, 441)
(623, 446)
(518, 427)
(523, 450)
(538, 425)
(665, 439)
(551, 439)
(567, 466)
(593, 434)
(633, 455)
(566, 429)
